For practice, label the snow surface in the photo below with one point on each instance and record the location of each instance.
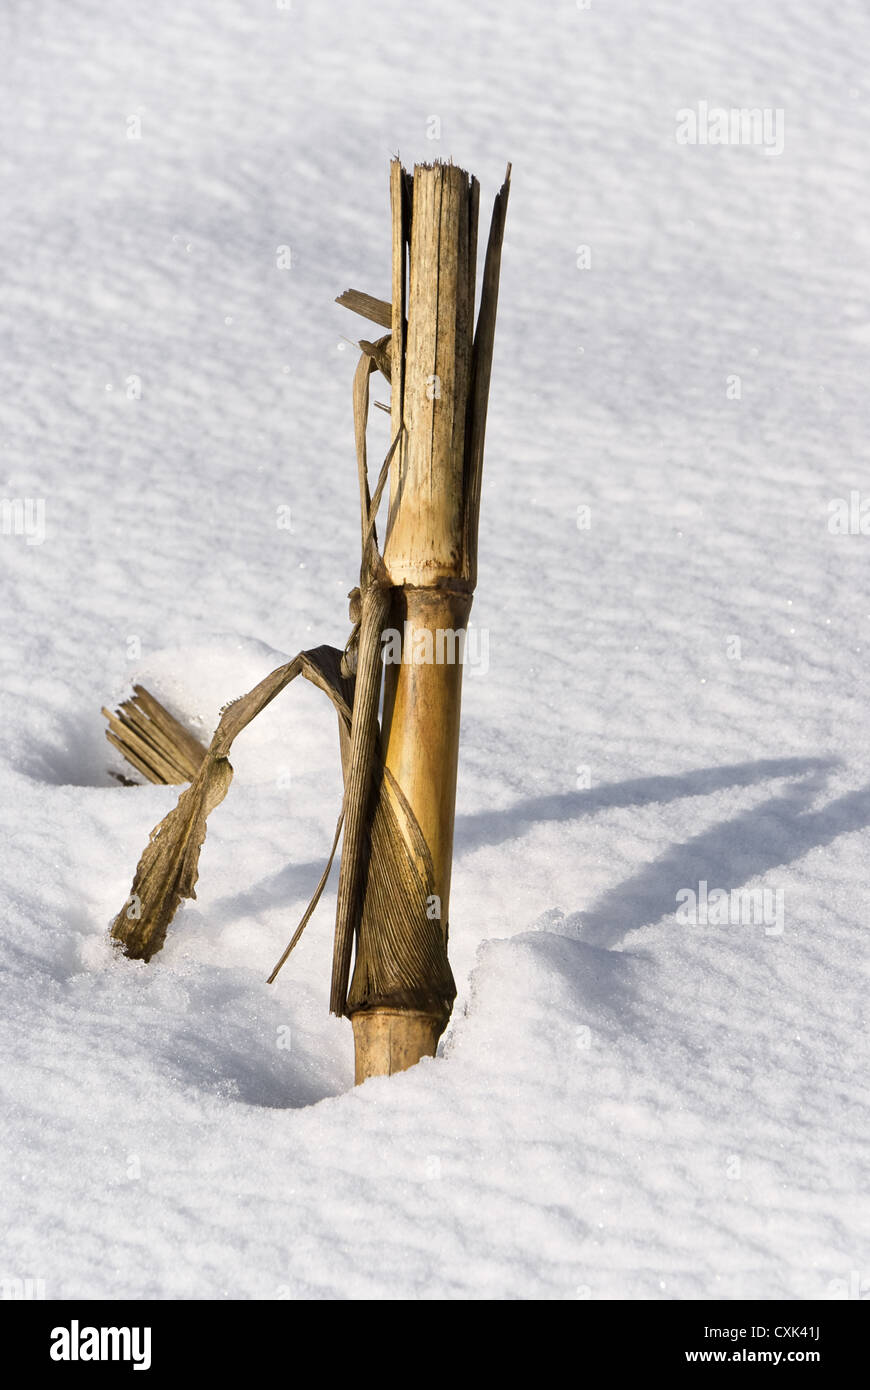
(623, 1106)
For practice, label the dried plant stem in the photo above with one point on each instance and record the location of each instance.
(400, 778)
(430, 559)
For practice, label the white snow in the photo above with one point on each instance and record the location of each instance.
(623, 1106)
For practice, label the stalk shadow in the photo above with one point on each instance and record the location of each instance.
(778, 832)
(291, 883)
(295, 881)
(494, 827)
(585, 948)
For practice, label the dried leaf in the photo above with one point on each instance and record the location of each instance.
(169, 867)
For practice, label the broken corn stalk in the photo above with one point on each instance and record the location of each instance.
(399, 776)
